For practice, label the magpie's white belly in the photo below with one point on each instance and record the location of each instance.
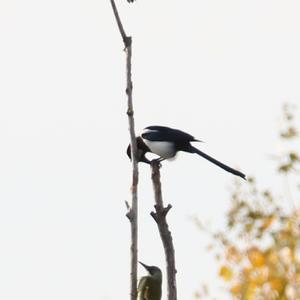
(162, 149)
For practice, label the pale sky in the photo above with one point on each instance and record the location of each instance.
(219, 70)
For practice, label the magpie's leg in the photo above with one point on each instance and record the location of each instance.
(158, 160)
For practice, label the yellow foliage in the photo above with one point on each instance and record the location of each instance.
(268, 222)
(233, 255)
(236, 289)
(250, 292)
(259, 275)
(226, 273)
(256, 257)
(246, 272)
(262, 241)
(277, 284)
(272, 257)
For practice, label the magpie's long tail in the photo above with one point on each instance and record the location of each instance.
(218, 163)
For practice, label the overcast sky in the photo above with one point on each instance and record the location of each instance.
(219, 70)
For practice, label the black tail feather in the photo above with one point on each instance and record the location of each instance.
(218, 163)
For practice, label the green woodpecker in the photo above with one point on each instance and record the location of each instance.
(149, 287)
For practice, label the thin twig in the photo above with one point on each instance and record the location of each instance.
(160, 218)
(126, 39)
(132, 213)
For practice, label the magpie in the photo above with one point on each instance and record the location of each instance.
(166, 142)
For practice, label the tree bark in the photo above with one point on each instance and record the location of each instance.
(160, 218)
(132, 213)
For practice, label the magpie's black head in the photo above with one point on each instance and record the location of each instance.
(142, 149)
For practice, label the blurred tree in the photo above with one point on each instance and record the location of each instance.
(259, 251)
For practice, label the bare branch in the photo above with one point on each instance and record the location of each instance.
(160, 218)
(126, 39)
(132, 213)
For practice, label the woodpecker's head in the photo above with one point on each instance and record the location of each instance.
(142, 149)
(153, 271)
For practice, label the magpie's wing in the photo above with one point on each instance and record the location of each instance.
(167, 134)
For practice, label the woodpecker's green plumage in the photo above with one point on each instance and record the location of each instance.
(149, 287)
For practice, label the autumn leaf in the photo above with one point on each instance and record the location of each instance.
(226, 273)
(256, 257)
